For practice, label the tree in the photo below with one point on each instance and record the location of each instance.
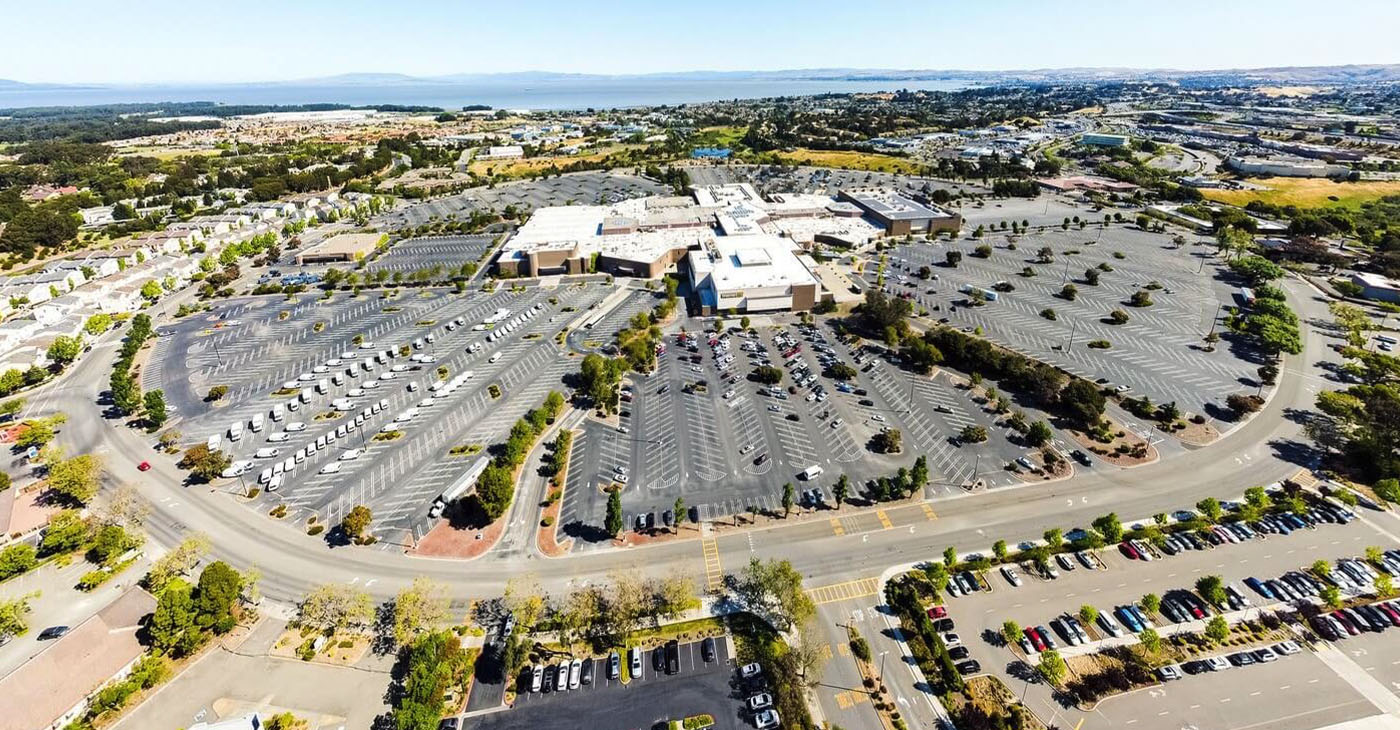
(768, 375)
(174, 618)
(613, 522)
(973, 434)
(1039, 434)
(1151, 603)
(14, 613)
(1109, 527)
(335, 606)
(356, 521)
(773, 589)
(1331, 596)
(110, 542)
(1256, 269)
(418, 608)
(887, 441)
(151, 290)
(17, 558)
(918, 475)
(953, 258)
(937, 575)
(1212, 588)
(950, 556)
(1151, 640)
(37, 433)
(1051, 666)
(1384, 585)
(841, 490)
(155, 408)
(1217, 629)
(126, 396)
(203, 463)
(678, 509)
(97, 324)
(1258, 497)
(65, 349)
(788, 498)
(1321, 568)
(1210, 508)
(1070, 292)
(1011, 632)
(76, 479)
(1088, 614)
(1083, 402)
(495, 489)
(1117, 316)
(177, 562)
(1054, 538)
(218, 588)
(217, 393)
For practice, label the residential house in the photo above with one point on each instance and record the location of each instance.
(54, 687)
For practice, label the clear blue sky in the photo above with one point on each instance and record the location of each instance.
(254, 40)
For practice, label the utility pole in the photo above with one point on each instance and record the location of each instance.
(1073, 324)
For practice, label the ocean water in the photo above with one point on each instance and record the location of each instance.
(504, 94)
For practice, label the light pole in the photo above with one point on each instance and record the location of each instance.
(1073, 324)
(882, 666)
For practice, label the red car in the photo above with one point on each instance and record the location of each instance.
(144, 466)
(1129, 550)
(1036, 641)
(937, 612)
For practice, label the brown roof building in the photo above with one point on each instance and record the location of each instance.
(53, 688)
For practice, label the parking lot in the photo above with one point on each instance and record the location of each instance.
(824, 180)
(705, 432)
(1243, 696)
(697, 688)
(419, 254)
(250, 348)
(1158, 353)
(577, 188)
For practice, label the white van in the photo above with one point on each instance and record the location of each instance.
(236, 468)
(257, 423)
(342, 404)
(265, 476)
(266, 452)
(811, 472)
(274, 483)
(235, 432)
(277, 412)
(278, 437)
(495, 356)
(322, 386)
(215, 442)
(305, 396)
(338, 379)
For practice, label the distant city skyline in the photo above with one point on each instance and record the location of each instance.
(162, 41)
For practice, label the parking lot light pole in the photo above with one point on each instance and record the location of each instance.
(883, 654)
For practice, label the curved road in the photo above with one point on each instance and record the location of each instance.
(1269, 447)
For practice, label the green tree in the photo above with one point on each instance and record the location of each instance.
(1256, 269)
(76, 479)
(1109, 527)
(613, 522)
(65, 349)
(17, 558)
(1088, 614)
(1331, 596)
(356, 521)
(219, 586)
(204, 463)
(999, 550)
(14, 615)
(678, 509)
(773, 589)
(1321, 568)
(1151, 603)
(1054, 538)
(1151, 640)
(126, 396)
(1051, 666)
(1217, 629)
(950, 556)
(1011, 632)
(789, 497)
(156, 415)
(937, 575)
(1039, 434)
(1210, 508)
(841, 490)
(1212, 588)
(174, 617)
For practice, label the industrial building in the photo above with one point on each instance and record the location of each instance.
(1284, 167)
(900, 215)
(1103, 140)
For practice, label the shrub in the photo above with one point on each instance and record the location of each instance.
(315, 529)
(1100, 344)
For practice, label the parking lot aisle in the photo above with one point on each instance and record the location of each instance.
(714, 570)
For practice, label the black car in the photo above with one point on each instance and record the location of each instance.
(673, 656)
(943, 624)
(969, 667)
(449, 723)
(668, 517)
(548, 684)
(707, 650)
(1081, 457)
(52, 632)
(958, 652)
(586, 676)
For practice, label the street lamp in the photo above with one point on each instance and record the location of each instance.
(882, 666)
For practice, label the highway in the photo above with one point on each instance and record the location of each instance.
(1269, 447)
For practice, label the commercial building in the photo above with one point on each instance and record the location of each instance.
(1377, 287)
(1085, 182)
(1103, 140)
(900, 215)
(54, 687)
(501, 152)
(1285, 167)
(757, 272)
(341, 247)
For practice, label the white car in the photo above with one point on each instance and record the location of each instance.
(296, 426)
(371, 384)
(331, 468)
(350, 455)
(766, 720)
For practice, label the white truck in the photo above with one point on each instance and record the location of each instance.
(811, 472)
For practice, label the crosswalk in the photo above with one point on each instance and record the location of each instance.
(845, 591)
(714, 571)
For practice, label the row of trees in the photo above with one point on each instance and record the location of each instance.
(495, 489)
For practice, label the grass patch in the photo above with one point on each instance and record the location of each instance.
(387, 436)
(494, 391)
(425, 323)
(849, 160)
(1306, 192)
(464, 450)
(390, 310)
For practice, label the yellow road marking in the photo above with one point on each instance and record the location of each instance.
(714, 571)
(836, 527)
(851, 589)
(884, 519)
(843, 649)
(826, 651)
(1079, 724)
(929, 513)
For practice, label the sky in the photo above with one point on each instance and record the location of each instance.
(162, 41)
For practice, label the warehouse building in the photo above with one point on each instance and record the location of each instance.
(1103, 140)
(900, 215)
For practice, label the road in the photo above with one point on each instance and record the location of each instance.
(1269, 447)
